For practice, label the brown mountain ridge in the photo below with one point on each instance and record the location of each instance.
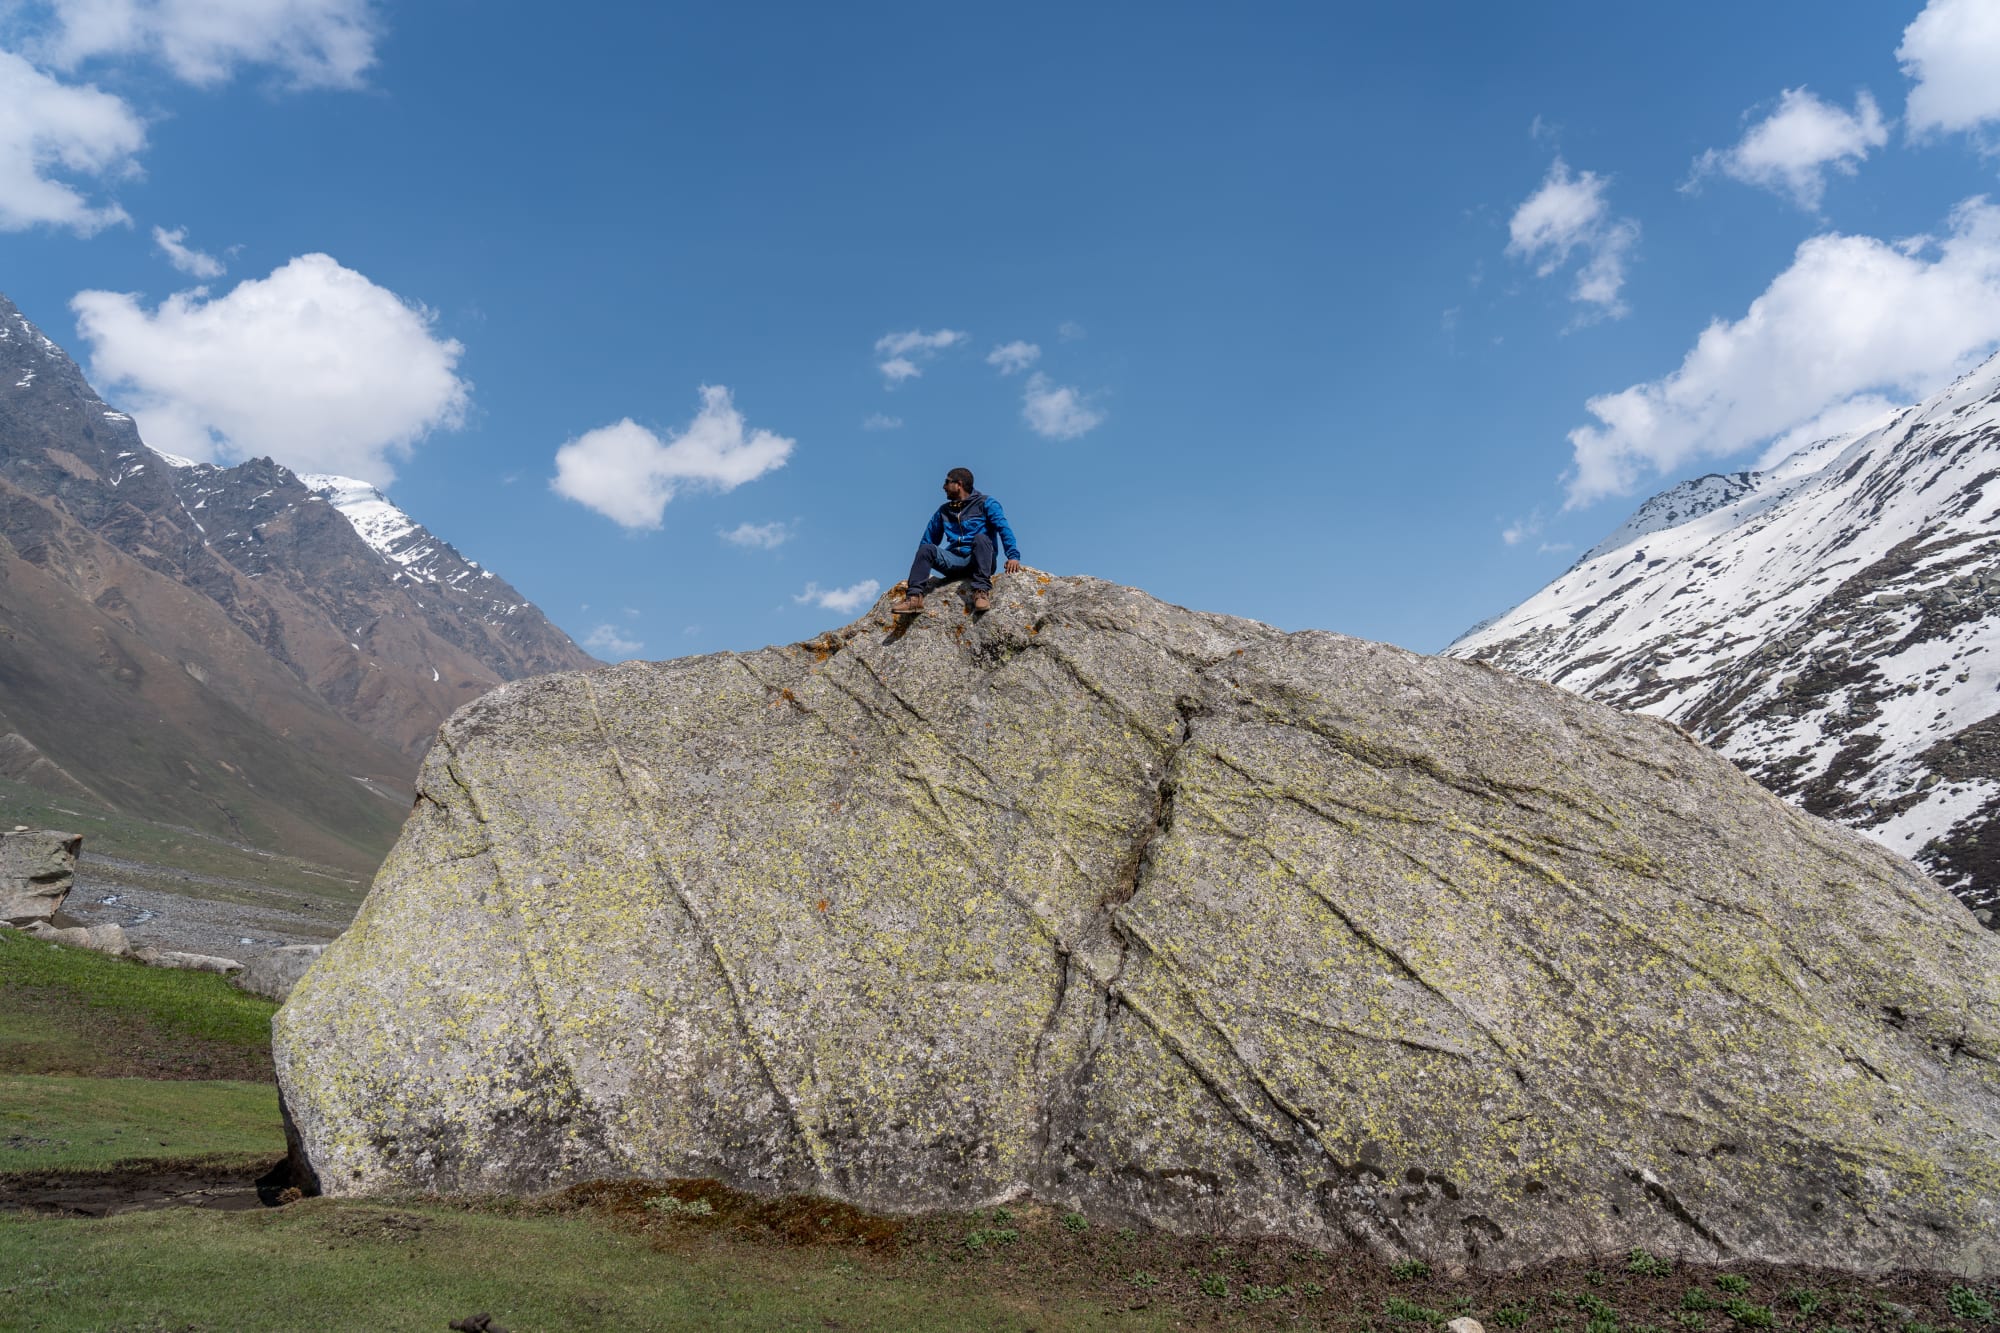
(220, 647)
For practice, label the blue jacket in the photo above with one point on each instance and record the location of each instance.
(954, 526)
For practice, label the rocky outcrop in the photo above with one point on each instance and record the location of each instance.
(1157, 915)
(272, 975)
(37, 868)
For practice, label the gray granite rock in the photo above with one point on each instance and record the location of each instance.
(1157, 914)
(273, 974)
(37, 868)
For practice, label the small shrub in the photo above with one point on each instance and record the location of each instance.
(666, 1205)
(1510, 1316)
(1002, 1216)
(1694, 1298)
(1256, 1294)
(1405, 1270)
(1969, 1305)
(1747, 1312)
(1145, 1281)
(1692, 1319)
(1410, 1312)
(1460, 1305)
(1594, 1278)
(1645, 1263)
(1596, 1307)
(1075, 1223)
(979, 1240)
(1916, 1327)
(1807, 1299)
(1311, 1290)
(1128, 1233)
(1733, 1283)
(1216, 1285)
(1602, 1326)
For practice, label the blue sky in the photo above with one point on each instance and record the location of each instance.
(1285, 311)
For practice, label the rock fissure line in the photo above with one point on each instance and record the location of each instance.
(808, 1135)
(570, 1089)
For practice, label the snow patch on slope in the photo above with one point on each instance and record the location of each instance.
(1832, 623)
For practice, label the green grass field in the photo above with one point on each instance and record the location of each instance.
(79, 1123)
(72, 1012)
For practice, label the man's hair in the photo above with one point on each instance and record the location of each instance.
(961, 475)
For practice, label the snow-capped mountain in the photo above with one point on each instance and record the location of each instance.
(237, 649)
(1832, 624)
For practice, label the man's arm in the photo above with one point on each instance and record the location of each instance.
(998, 518)
(934, 530)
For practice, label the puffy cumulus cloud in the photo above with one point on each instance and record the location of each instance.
(628, 474)
(184, 257)
(1568, 216)
(1055, 411)
(1852, 317)
(903, 353)
(1952, 53)
(1791, 150)
(1011, 358)
(611, 643)
(52, 136)
(315, 366)
(314, 43)
(882, 421)
(846, 600)
(762, 536)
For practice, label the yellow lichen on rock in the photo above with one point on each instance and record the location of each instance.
(1156, 914)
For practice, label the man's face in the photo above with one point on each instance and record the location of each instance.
(953, 491)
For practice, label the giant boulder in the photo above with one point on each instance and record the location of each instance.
(1157, 915)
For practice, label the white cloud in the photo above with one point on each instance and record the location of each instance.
(315, 43)
(1056, 412)
(1791, 150)
(1952, 52)
(763, 536)
(183, 257)
(901, 352)
(315, 366)
(1069, 331)
(1014, 356)
(1568, 215)
(882, 421)
(608, 641)
(1522, 528)
(844, 600)
(628, 474)
(52, 134)
(1852, 316)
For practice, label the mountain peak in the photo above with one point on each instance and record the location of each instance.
(1832, 624)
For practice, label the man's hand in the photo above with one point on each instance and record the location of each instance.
(1013, 566)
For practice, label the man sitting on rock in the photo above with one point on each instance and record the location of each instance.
(960, 543)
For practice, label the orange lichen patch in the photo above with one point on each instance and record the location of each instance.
(822, 904)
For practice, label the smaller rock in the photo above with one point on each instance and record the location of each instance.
(195, 962)
(106, 938)
(1462, 1325)
(272, 975)
(37, 868)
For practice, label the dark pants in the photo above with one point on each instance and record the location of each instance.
(930, 558)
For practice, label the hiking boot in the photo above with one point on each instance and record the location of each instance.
(909, 606)
(982, 599)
